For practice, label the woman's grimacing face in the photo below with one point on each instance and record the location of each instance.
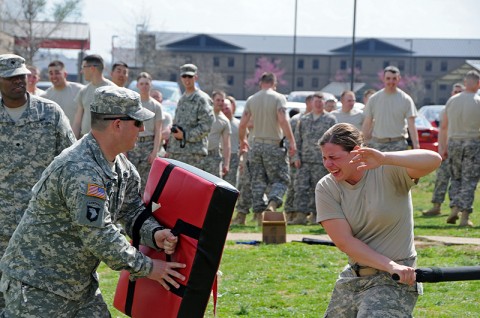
(337, 161)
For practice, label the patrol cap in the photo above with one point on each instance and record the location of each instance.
(114, 100)
(12, 65)
(188, 69)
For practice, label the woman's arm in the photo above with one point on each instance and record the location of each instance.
(419, 162)
(341, 234)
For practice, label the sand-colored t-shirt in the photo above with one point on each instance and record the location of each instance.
(378, 209)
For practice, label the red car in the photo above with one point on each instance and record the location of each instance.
(427, 134)
(432, 113)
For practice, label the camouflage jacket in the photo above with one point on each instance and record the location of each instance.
(69, 226)
(307, 133)
(194, 114)
(28, 146)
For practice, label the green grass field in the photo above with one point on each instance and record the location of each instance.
(296, 280)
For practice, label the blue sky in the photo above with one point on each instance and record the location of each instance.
(375, 18)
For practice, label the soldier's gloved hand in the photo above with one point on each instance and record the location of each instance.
(166, 240)
(164, 272)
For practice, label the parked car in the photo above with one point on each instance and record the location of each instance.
(427, 134)
(432, 113)
(300, 96)
(170, 90)
(44, 85)
(239, 107)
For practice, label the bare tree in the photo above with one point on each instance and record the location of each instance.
(34, 21)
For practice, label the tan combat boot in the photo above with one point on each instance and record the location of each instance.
(433, 211)
(464, 221)
(300, 219)
(239, 219)
(289, 216)
(312, 218)
(272, 206)
(453, 217)
(258, 217)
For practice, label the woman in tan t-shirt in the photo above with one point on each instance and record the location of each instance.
(365, 206)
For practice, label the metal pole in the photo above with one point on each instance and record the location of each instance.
(113, 48)
(294, 47)
(352, 74)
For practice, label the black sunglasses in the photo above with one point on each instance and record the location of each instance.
(189, 76)
(138, 123)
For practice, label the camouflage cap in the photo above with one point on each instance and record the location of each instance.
(114, 100)
(188, 69)
(12, 65)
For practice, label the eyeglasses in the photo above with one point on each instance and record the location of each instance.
(187, 76)
(138, 123)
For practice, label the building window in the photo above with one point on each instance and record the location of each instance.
(173, 77)
(401, 66)
(386, 63)
(428, 66)
(343, 64)
(299, 82)
(358, 65)
(428, 85)
(315, 82)
(216, 61)
(231, 62)
(315, 64)
(230, 80)
(300, 64)
(442, 87)
(443, 66)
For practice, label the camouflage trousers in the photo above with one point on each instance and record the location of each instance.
(441, 183)
(308, 176)
(24, 301)
(244, 202)
(195, 160)
(289, 200)
(376, 296)
(269, 170)
(212, 162)
(464, 162)
(138, 156)
(389, 146)
(231, 176)
(3, 247)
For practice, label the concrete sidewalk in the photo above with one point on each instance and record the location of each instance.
(419, 240)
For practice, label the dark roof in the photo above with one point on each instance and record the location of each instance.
(309, 45)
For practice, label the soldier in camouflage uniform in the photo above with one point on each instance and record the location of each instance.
(268, 157)
(49, 267)
(289, 208)
(443, 172)
(33, 131)
(386, 113)
(459, 141)
(365, 206)
(218, 139)
(193, 120)
(308, 160)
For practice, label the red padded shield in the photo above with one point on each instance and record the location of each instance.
(198, 207)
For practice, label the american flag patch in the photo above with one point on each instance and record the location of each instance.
(96, 191)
